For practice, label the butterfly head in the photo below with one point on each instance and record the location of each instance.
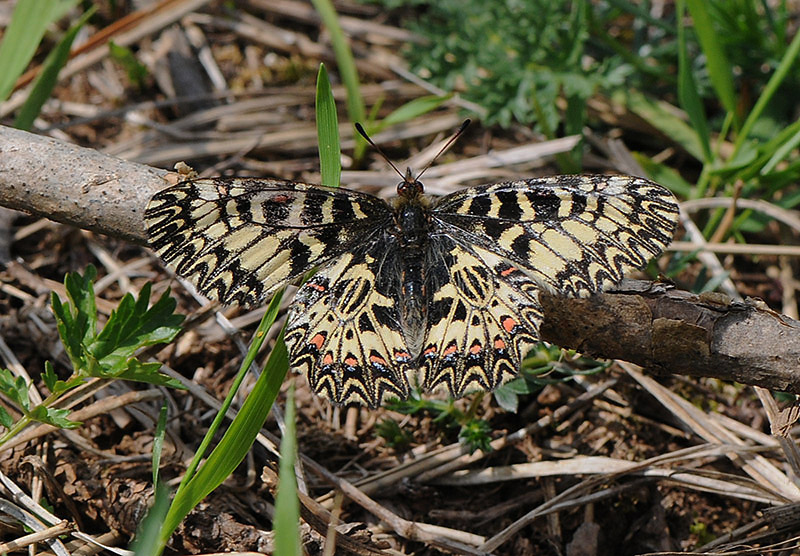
(410, 187)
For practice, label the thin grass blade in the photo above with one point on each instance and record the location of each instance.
(688, 94)
(48, 76)
(22, 37)
(287, 506)
(719, 67)
(330, 152)
(239, 437)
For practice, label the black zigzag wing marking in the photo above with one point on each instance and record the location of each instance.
(240, 239)
(572, 234)
(483, 317)
(344, 328)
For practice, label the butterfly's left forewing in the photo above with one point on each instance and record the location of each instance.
(574, 235)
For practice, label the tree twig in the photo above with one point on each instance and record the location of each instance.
(660, 328)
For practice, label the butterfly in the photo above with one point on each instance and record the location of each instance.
(440, 293)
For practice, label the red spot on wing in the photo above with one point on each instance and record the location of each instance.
(315, 286)
(450, 350)
(508, 323)
(317, 340)
(509, 270)
(476, 348)
(375, 358)
(402, 355)
(499, 344)
(350, 361)
(429, 351)
(328, 359)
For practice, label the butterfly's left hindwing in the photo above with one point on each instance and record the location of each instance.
(483, 318)
(239, 240)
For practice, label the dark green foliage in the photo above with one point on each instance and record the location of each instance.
(514, 58)
(543, 366)
(109, 353)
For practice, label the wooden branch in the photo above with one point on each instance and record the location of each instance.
(667, 331)
(660, 328)
(76, 186)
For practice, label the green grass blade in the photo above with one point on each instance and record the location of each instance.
(147, 542)
(23, 35)
(346, 65)
(781, 72)
(664, 120)
(688, 94)
(48, 76)
(240, 435)
(158, 440)
(412, 109)
(783, 152)
(287, 507)
(330, 152)
(719, 67)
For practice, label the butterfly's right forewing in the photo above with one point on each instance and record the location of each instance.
(238, 240)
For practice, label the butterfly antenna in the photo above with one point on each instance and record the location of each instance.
(363, 134)
(447, 145)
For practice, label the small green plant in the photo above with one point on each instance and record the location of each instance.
(445, 413)
(122, 55)
(108, 353)
(543, 366)
(395, 436)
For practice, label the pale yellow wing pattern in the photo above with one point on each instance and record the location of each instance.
(344, 330)
(240, 239)
(481, 321)
(574, 235)
(503, 243)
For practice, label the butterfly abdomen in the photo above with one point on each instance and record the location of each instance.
(412, 221)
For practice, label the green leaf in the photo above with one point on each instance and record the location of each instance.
(719, 68)
(137, 72)
(507, 398)
(239, 437)
(147, 542)
(688, 94)
(23, 34)
(132, 326)
(145, 372)
(286, 526)
(158, 440)
(330, 153)
(15, 388)
(80, 291)
(52, 416)
(70, 333)
(5, 419)
(46, 81)
(49, 376)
